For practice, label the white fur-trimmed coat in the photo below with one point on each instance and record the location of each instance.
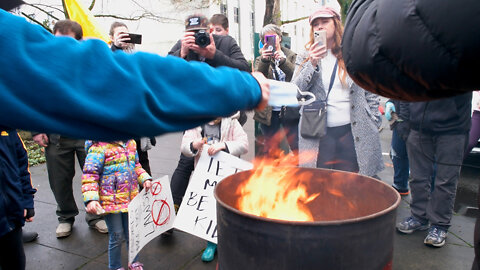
(231, 133)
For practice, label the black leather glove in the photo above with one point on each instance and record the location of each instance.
(153, 141)
(30, 213)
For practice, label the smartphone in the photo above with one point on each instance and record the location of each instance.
(270, 42)
(320, 37)
(134, 38)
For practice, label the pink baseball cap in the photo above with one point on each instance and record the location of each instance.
(323, 12)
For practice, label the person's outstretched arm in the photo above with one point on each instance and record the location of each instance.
(83, 90)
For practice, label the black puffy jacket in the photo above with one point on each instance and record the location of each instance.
(413, 50)
(10, 4)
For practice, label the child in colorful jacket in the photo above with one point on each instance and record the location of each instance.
(110, 180)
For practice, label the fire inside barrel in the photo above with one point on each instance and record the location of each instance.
(301, 218)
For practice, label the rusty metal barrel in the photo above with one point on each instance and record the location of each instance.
(340, 237)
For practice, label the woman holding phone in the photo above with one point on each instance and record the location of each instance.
(351, 142)
(278, 63)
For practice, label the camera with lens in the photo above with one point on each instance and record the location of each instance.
(202, 38)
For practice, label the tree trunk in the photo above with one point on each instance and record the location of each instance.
(65, 10)
(272, 12)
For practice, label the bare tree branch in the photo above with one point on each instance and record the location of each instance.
(189, 5)
(35, 21)
(143, 12)
(138, 17)
(45, 6)
(92, 5)
(65, 10)
(136, 3)
(294, 20)
(42, 10)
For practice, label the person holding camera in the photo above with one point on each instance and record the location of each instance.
(69, 105)
(198, 44)
(120, 38)
(121, 41)
(276, 62)
(105, 99)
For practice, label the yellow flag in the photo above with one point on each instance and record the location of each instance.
(77, 13)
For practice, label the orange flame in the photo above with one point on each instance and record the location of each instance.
(276, 193)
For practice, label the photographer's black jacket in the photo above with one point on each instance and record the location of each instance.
(228, 53)
(413, 50)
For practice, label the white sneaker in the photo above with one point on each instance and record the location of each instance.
(63, 230)
(101, 226)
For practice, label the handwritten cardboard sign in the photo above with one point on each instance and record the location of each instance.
(149, 214)
(198, 213)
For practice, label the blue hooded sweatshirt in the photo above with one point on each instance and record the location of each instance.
(83, 90)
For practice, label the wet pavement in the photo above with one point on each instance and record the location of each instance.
(87, 248)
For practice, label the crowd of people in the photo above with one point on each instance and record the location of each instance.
(170, 108)
(341, 127)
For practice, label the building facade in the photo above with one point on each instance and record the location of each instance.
(162, 21)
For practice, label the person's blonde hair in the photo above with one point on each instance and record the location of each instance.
(336, 48)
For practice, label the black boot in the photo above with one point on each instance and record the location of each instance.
(28, 237)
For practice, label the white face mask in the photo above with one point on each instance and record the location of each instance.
(285, 94)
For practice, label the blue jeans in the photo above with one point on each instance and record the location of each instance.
(399, 156)
(117, 231)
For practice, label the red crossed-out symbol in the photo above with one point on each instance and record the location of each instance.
(158, 207)
(156, 188)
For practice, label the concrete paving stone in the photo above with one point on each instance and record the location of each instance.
(169, 141)
(468, 186)
(194, 265)
(462, 228)
(40, 182)
(93, 265)
(83, 241)
(176, 252)
(45, 257)
(411, 253)
(163, 166)
(87, 249)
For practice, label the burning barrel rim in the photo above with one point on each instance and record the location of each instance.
(315, 223)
